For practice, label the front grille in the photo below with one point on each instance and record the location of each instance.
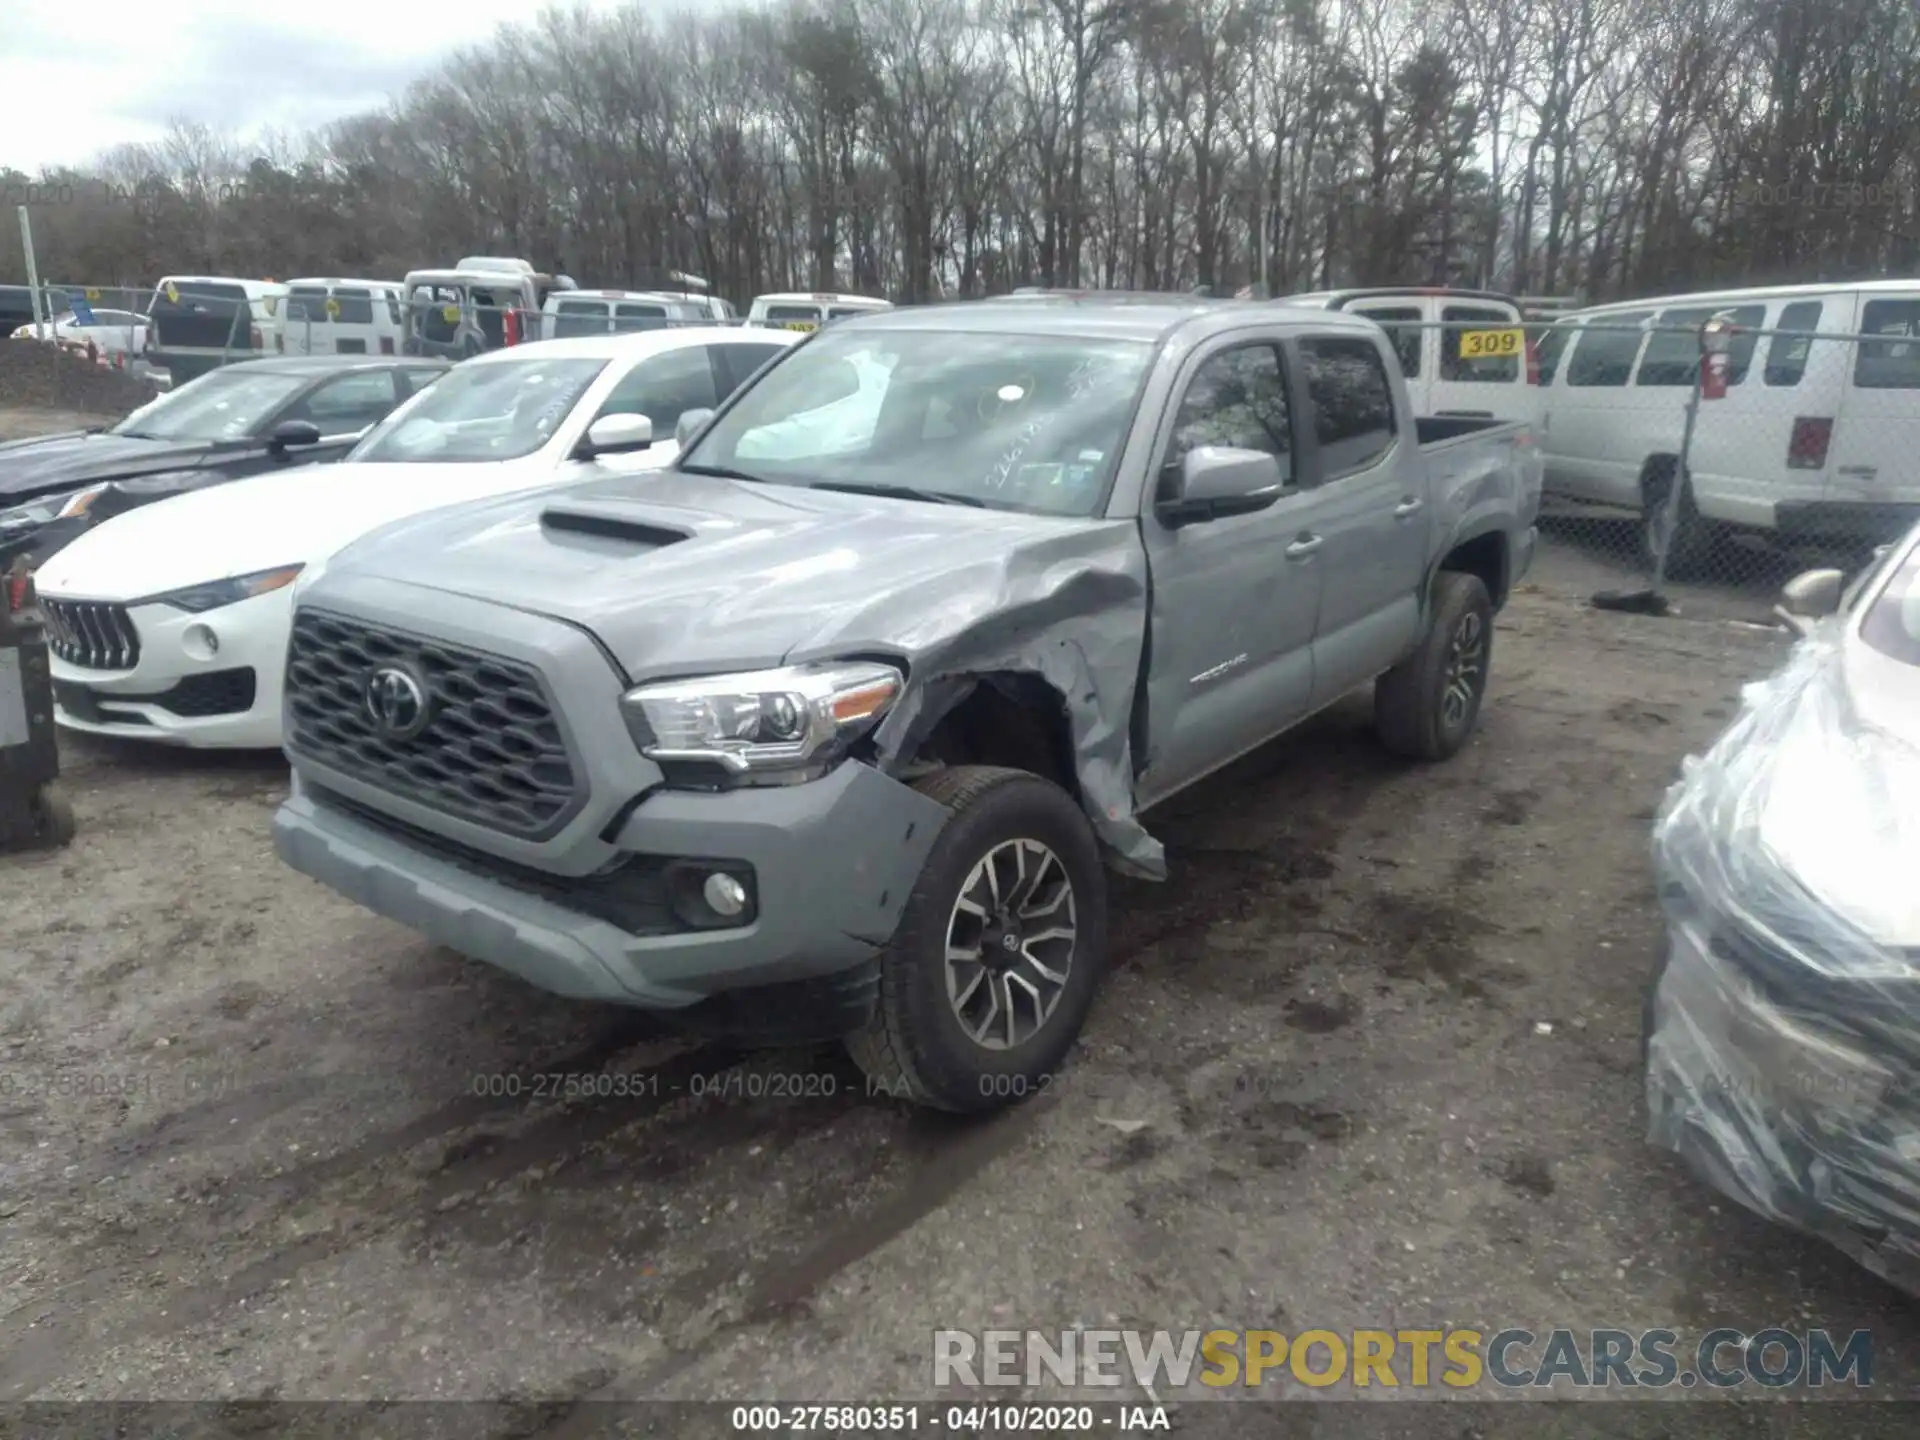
(91, 633)
(218, 692)
(491, 752)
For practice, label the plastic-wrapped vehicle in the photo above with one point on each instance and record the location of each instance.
(1783, 1026)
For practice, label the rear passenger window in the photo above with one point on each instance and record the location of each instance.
(1673, 347)
(1486, 369)
(628, 318)
(1402, 324)
(1352, 402)
(1892, 363)
(573, 318)
(1605, 351)
(1787, 354)
(1237, 398)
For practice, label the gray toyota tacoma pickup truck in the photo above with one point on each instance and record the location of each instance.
(825, 730)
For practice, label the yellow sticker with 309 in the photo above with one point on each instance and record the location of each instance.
(1491, 344)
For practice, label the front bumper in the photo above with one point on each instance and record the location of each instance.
(168, 693)
(1776, 1095)
(832, 863)
(576, 907)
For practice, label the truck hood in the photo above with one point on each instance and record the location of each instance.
(46, 464)
(679, 574)
(297, 516)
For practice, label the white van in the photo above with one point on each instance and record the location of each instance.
(794, 311)
(198, 323)
(571, 313)
(1814, 439)
(1498, 385)
(330, 316)
(483, 303)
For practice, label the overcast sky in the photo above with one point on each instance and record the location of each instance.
(76, 80)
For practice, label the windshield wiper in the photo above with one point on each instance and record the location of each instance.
(898, 492)
(724, 472)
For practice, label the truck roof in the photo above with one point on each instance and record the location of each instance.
(1115, 315)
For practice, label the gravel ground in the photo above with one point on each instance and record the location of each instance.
(254, 1141)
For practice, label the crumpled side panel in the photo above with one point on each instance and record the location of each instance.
(1784, 1032)
(1079, 628)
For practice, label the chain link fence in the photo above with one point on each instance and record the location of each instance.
(1696, 467)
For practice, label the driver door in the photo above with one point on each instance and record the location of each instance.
(1230, 633)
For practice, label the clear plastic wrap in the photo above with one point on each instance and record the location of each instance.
(1783, 1035)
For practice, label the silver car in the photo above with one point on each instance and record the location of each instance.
(1783, 1025)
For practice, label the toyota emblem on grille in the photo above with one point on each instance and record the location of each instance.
(396, 703)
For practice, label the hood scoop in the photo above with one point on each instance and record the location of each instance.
(609, 522)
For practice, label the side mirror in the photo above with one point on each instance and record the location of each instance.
(290, 434)
(614, 435)
(1809, 597)
(689, 424)
(1214, 481)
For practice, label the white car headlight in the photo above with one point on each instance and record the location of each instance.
(216, 593)
(764, 725)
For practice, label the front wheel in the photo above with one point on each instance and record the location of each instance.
(999, 951)
(1690, 538)
(1425, 707)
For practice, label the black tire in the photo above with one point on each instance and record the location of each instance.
(1410, 702)
(53, 817)
(916, 1046)
(1695, 539)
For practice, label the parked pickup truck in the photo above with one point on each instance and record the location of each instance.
(825, 729)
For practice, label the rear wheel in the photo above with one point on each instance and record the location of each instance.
(999, 951)
(1426, 706)
(1692, 539)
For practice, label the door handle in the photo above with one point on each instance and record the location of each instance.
(1864, 472)
(1406, 509)
(1303, 547)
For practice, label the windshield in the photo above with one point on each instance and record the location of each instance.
(1892, 626)
(1017, 422)
(499, 410)
(224, 404)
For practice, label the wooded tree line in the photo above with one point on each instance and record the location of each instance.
(929, 148)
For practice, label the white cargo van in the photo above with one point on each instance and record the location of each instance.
(1498, 384)
(198, 323)
(569, 313)
(483, 303)
(794, 311)
(1814, 439)
(330, 316)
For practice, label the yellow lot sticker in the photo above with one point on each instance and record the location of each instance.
(1491, 344)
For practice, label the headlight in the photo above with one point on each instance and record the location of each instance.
(216, 593)
(781, 724)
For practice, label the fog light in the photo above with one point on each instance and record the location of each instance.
(724, 895)
(200, 642)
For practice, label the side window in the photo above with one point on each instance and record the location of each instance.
(1606, 350)
(1237, 398)
(348, 403)
(356, 307)
(663, 387)
(418, 378)
(1673, 346)
(1484, 369)
(1892, 363)
(393, 306)
(1352, 402)
(628, 318)
(1787, 354)
(739, 362)
(1402, 324)
(1553, 344)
